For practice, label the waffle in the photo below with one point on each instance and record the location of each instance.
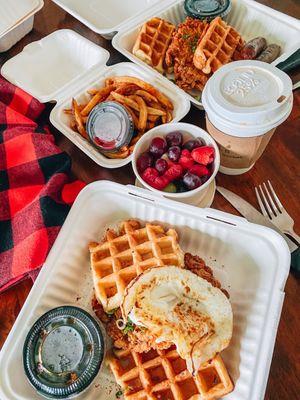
(153, 41)
(217, 46)
(163, 375)
(119, 258)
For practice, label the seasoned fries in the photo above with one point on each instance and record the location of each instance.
(146, 105)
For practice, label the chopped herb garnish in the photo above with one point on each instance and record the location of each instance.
(185, 36)
(194, 43)
(111, 312)
(119, 394)
(129, 327)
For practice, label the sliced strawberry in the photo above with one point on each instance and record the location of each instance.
(203, 155)
(199, 170)
(186, 160)
(151, 176)
(174, 172)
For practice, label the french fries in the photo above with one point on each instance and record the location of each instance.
(145, 104)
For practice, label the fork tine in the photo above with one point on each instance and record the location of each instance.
(279, 205)
(273, 205)
(261, 204)
(269, 209)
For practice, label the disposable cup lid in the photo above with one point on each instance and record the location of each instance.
(207, 9)
(247, 98)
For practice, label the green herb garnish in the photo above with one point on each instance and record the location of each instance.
(185, 36)
(129, 327)
(111, 312)
(119, 394)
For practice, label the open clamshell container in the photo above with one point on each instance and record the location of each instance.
(251, 261)
(16, 20)
(248, 17)
(64, 65)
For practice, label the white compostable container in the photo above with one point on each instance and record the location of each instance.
(64, 65)
(249, 18)
(251, 261)
(16, 20)
(188, 131)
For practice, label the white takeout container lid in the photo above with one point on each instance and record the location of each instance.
(248, 17)
(248, 98)
(14, 12)
(108, 17)
(64, 65)
(251, 261)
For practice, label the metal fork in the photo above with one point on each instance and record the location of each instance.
(272, 208)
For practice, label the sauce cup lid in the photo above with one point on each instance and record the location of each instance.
(63, 352)
(109, 126)
(247, 98)
(207, 9)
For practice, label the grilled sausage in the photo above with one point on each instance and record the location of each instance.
(270, 53)
(252, 49)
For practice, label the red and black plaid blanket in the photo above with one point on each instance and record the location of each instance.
(35, 189)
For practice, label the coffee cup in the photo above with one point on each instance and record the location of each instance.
(245, 101)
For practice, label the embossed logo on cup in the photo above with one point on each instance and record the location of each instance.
(243, 84)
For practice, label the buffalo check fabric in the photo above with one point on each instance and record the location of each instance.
(35, 189)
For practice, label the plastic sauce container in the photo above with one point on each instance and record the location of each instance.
(63, 352)
(245, 101)
(109, 126)
(207, 9)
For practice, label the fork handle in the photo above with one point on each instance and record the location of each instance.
(294, 235)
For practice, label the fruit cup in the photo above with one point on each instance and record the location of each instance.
(188, 131)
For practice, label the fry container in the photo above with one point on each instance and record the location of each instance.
(64, 65)
(16, 20)
(244, 102)
(251, 261)
(189, 131)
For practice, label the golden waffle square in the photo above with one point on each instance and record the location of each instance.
(163, 375)
(153, 41)
(217, 46)
(120, 257)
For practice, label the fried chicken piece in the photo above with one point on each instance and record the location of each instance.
(180, 54)
(197, 265)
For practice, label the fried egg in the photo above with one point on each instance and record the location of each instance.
(178, 306)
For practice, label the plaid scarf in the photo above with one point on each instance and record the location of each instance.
(35, 188)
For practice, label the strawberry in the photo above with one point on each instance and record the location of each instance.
(186, 160)
(174, 172)
(199, 170)
(203, 155)
(151, 176)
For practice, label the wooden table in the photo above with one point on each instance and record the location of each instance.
(279, 163)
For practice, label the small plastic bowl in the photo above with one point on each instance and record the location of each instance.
(189, 132)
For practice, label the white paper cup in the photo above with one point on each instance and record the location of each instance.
(245, 101)
(188, 131)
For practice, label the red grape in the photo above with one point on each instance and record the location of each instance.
(158, 146)
(144, 161)
(161, 165)
(174, 139)
(174, 153)
(191, 181)
(193, 144)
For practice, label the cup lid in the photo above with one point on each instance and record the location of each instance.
(247, 98)
(63, 352)
(109, 126)
(207, 9)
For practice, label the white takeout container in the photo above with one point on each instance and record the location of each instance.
(251, 261)
(16, 20)
(64, 65)
(106, 17)
(251, 19)
(188, 131)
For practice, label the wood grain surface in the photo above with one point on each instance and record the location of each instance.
(279, 163)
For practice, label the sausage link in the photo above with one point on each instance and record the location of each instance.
(270, 53)
(253, 48)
